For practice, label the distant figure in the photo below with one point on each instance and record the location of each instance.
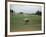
(26, 20)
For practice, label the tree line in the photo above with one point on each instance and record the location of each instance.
(37, 12)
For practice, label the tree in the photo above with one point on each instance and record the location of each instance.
(11, 11)
(21, 12)
(38, 13)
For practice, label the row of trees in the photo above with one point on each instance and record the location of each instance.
(37, 12)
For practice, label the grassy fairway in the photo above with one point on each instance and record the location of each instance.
(17, 23)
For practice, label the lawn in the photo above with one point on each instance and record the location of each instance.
(17, 23)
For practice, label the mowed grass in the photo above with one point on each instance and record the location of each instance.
(17, 23)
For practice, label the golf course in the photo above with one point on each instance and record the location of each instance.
(17, 23)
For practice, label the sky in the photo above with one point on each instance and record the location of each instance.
(25, 8)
